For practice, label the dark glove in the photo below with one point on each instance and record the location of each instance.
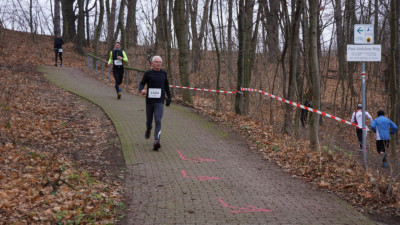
(168, 102)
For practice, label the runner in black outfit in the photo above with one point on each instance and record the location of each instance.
(117, 58)
(58, 42)
(157, 85)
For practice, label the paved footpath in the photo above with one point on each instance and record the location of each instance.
(201, 174)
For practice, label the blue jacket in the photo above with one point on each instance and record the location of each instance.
(383, 125)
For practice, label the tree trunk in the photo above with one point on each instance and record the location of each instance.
(121, 25)
(273, 31)
(350, 11)
(181, 31)
(67, 8)
(293, 63)
(168, 24)
(306, 42)
(376, 36)
(31, 18)
(131, 26)
(87, 15)
(197, 37)
(314, 126)
(240, 61)
(111, 24)
(217, 53)
(98, 28)
(161, 19)
(398, 64)
(230, 24)
(251, 39)
(87, 41)
(393, 76)
(81, 28)
(339, 38)
(57, 28)
(247, 43)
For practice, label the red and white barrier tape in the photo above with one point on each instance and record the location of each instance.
(203, 89)
(301, 106)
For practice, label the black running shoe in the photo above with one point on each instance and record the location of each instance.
(147, 134)
(156, 145)
(119, 95)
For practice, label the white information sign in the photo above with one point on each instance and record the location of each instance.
(364, 53)
(363, 34)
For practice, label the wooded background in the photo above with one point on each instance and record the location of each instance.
(293, 49)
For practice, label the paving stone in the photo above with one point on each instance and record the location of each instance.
(157, 192)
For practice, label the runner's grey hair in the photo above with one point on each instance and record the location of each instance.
(156, 56)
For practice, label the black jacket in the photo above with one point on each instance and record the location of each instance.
(155, 79)
(58, 42)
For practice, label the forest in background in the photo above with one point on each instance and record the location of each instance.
(293, 49)
(277, 46)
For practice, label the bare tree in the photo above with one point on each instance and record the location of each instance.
(216, 52)
(80, 39)
(98, 28)
(131, 26)
(197, 37)
(339, 38)
(121, 25)
(181, 31)
(110, 22)
(294, 40)
(351, 19)
(31, 18)
(69, 31)
(161, 24)
(87, 16)
(314, 126)
(246, 52)
(57, 28)
(230, 24)
(271, 25)
(394, 79)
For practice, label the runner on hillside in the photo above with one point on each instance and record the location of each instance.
(383, 127)
(157, 85)
(58, 42)
(117, 57)
(357, 119)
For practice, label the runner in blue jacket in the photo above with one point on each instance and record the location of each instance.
(383, 127)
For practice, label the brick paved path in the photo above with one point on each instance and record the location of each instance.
(202, 174)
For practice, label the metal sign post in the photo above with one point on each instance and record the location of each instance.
(363, 51)
(364, 126)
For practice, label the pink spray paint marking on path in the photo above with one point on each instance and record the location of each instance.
(197, 159)
(243, 210)
(199, 177)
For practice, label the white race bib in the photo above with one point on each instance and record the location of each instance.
(118, 62)
(60, 50)
(154, 93)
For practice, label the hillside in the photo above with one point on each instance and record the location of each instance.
(31, 106)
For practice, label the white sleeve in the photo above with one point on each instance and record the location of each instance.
(369, 116)
(352, 118)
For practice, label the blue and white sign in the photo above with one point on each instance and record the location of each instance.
(364, 34)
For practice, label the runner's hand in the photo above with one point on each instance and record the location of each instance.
(168, 102)
(143, 92)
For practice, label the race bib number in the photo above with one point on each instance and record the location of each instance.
(60, 50)
(118, 62)
(154, 93)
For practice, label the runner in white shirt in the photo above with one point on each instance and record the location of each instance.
(357, 119)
